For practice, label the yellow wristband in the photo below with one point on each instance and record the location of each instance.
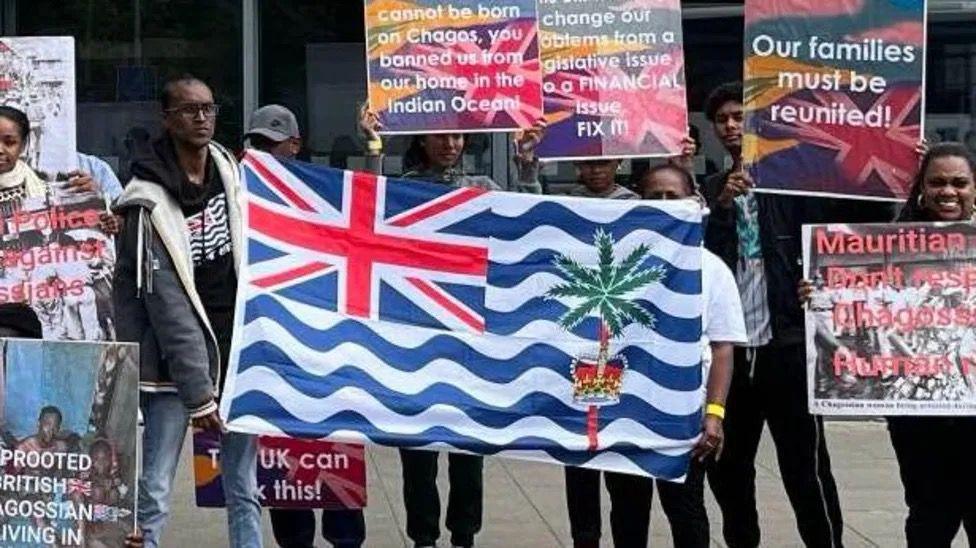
(374, 146)
(715, 409)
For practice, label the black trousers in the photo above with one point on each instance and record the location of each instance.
(769, 386)
(630, 508)
(936, 460)
(296, 528)
(423, 503)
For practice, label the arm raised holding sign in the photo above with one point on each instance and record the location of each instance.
(438, 157)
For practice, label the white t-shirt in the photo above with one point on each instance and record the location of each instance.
(722, 318)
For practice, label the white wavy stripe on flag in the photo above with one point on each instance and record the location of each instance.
(682, 354)
(499, 347)
(598, 211)
(538, 380)
(411, 337)
(253, 424)
(607, 460)
(318, 410)
(555, 239)
(508, 299)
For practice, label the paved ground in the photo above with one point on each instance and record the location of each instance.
(525, 505)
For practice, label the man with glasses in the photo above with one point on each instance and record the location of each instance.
(174, 293)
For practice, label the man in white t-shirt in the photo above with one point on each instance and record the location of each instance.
(722, 327)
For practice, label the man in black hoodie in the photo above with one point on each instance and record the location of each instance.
(174, 293)
(758, 237)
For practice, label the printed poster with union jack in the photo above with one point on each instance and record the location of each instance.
(412, 314)
(465, 65)
(834, 96)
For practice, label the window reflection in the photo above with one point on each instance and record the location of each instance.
(125, 50)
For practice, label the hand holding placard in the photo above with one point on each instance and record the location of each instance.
(833, 96)
(464, 65)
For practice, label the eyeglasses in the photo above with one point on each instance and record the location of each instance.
(192, 110)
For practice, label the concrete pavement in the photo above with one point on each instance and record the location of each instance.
(525, 505)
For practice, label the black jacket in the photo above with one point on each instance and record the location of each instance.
(156, 301)
(781, 219)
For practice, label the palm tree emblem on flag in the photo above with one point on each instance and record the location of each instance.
(604, 289)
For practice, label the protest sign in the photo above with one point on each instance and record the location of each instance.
(613, 78)
(37, 76)
(462, 65)
(834, 96)
(68, 448)
(55, 257)
(292, 473)
(891, 324)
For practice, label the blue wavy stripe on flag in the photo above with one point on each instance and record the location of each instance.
(269, 409)
(687, 330)
(495, 370)
(500, 369)
(686, 282)
(558, 215)
(534, 403)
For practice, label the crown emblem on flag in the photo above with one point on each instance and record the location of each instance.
(597, 381)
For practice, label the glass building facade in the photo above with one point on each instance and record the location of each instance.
(309, 56)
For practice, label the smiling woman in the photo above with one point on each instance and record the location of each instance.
(17, 179)
(925, 447)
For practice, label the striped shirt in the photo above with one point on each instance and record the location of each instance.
(751, 272)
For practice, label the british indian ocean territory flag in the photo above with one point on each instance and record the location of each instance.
(413, 314)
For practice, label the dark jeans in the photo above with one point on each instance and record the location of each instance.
(423, 503)
(296, 528)
(935, 457)
(630, 508)
(773, 390)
